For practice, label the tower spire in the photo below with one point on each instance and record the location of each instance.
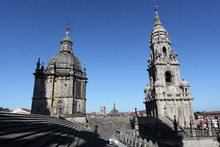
(157, 18)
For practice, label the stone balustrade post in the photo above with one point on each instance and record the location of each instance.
(132, 142)
(135, 142)
(150, 143)
(140, 142)
(145, 143)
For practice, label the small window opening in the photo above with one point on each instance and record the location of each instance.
(168, 77)
(59, 103)
(164, 51)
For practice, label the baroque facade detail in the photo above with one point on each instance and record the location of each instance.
(166, 95)
(60, 89)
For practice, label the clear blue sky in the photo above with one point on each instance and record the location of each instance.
(111, 37)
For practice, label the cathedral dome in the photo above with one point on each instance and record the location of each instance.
(114, 112)
(64, 60)
(66, 39)
(184, 83)
(158, 29)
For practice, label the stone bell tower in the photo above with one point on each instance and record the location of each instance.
(60, 89)
(166, 96)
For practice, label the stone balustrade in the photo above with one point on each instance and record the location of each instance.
(131, 139)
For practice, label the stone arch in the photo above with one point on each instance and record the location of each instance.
(60, 107)
(168, 77)
(164, 50)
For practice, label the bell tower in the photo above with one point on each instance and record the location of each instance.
(166, 95)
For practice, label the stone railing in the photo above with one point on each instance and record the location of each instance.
(199, 133)
(131, 139)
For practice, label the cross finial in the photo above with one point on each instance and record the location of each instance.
(156, 10)
(67, 29)
(114, 105)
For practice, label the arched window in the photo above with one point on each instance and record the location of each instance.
(60, 103)
(168, 77)
(164, 51)
(59, 108)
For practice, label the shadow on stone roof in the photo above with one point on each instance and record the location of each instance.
(39, 130)
(160, 131)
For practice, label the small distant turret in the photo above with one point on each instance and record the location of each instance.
(184, 85)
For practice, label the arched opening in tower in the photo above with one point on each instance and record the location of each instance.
(168, 77)
(164, 51)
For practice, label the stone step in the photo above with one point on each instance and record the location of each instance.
(8, 125)
(45, 138)
(34, 130)
(77, 139)
(7, 131)
(61, 137)
(25, 131)
(23, 137)
(69, 138)
(26, 116)
(28, 126)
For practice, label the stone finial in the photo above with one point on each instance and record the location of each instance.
(38, 64)
(84, 68)
(42, 66)
(157, 18)
(66, 42)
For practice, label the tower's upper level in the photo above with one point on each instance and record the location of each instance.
(160, 44)
(66, 43)
(159, 33)
(65, 59)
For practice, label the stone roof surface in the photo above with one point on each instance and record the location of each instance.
(64, 60)
(184, 83)
(39, 130)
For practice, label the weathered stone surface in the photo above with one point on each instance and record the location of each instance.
(60, 89)
(38, 130)
(105, 126)
(201, 142)
(166, 95)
